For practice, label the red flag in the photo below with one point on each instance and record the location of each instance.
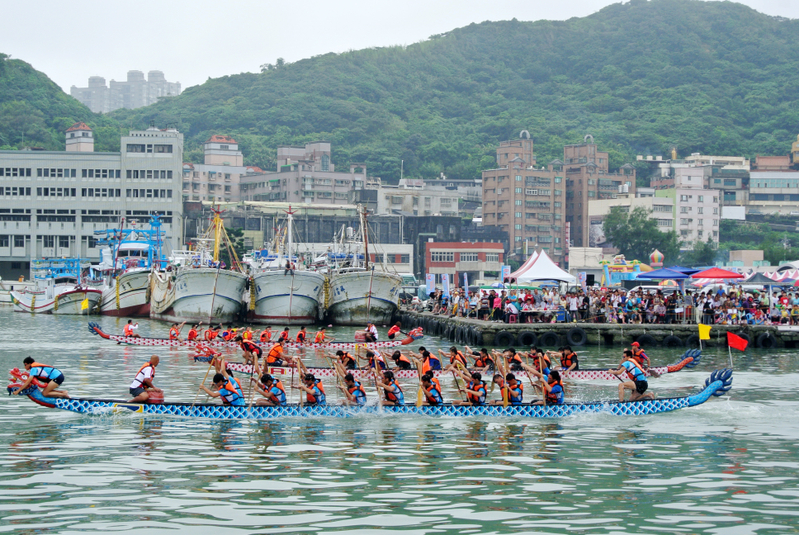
(736, 342)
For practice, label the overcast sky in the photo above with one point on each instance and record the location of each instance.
(191, 41)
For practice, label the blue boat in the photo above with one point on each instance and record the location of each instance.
(719, 383)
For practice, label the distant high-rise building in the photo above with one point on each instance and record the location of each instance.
(136, 92)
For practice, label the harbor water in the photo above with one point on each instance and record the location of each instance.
(729, 466)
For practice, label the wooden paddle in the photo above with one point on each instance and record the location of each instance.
(420, 395)
(377, 390)
(204, 379)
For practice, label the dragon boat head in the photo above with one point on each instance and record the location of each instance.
(725, 376)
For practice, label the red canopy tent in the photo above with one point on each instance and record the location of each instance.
(717, 273)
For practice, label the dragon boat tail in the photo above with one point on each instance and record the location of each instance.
(719, 383)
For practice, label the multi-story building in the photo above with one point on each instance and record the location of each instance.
(795, 151)
(417, 197)
(457, 258)
(219, 178)
(526, 201)
(52, 202)
(773, 192)
(661, 209)
(306, 174)
(588, 178)
(136, 92)
(696, 213)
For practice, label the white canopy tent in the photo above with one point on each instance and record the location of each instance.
(544, 269)
(524, 267)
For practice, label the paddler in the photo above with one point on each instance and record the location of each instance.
(393, 392)
(513, 359)
(129, 328)
(372, 358)
(456, 359)
(347, 360)
(640, 356)
(554, 390)
(319, 337)
(284, 335)
(275, 357)
(371, 332)
(509, 388)
(46, 374)
(271, 389)
(247, 334)
(401, 361)
(353, 391)
(226, 388)
(637, 383)
(301, 334)
(314, 390)
(193, 333)
(432, 390)
(568, 359)
(210, 333)
(475, 389)
(174, 331)
(143, 382)
(394, 330)
(482, 360)
(252, 352)
(266, 335)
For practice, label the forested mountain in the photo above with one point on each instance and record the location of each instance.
(35, 112)
(711, 77)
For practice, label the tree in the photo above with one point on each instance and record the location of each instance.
(636, 235)
(702, 253)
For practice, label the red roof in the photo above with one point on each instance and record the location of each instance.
(221, 139)
(79, 126)
(188, 165)
(716, 273)
(254, 169)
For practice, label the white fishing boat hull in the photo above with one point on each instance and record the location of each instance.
(360, 296)
(198, 294)
(133, 299)
(64, 299)
(287, 299)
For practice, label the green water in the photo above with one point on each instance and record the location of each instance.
(728, 466)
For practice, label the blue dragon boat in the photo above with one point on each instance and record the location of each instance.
(719, 383)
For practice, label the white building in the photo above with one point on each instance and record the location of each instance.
(135, 92)
(417, 197)
(52, 202)
(661, 209)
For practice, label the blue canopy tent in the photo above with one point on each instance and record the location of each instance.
(663, 273)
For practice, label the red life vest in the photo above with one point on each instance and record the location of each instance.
(393, 330)
(210, 334)
(192, 334)
(266, 336)
(275, 353)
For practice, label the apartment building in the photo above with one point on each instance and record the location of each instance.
(524, 200)
(661, 209)
(773, 192)
(219, 177)
(135, 92)
(52, 202)
(306, 174)
(588, 178)
(697, 210)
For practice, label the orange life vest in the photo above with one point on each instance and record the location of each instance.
(266, 335)
(275, 353)
(319, 338)
(173, 333)
(301, 337)
(192, 334)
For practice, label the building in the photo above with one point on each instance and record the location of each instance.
(795, 151)
(52, 202)
(772, 192)
(417, 197)
(661, 209)
(588, 178)
(696, 213)
(524, 200)
(307, 175)
(136, 92)
(219, 177)
(457, 258)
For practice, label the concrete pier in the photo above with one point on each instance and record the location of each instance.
(475, 333)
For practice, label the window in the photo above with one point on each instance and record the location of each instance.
(517, 214)
(63, 241)
(558, 204)
(163, 149)
(440, 256)
(469, 257)
(700, 210)
(518, 178)
(701, 198)
(518, 190)
(4, 240)
(558, 180)
(21, 171)
(492, 257)
(131, 147)
(19, 241)
(715, 211)
(517, 227)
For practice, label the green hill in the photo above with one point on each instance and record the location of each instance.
(35, 112)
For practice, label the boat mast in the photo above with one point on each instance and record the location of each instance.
(364, 237)
(217, 233)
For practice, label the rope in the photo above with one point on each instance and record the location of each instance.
(55, 308)
(33, 303)
(116, 283)
(252, 294)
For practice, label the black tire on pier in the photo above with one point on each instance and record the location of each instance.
(646, 340)
(477, 340)
(692, 341)
(527, 339)
(504, 339)
(549, 339)
(672, 341)
(766, 341)
(576, 337)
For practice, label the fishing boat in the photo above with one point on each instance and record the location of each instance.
(127, 257)
(196, 286)
(95, 328)
(281, 295)
(688, 360)
(359, 293)
(718, 384)
(62, 286)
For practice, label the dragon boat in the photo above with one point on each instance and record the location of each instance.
(719, 383)
(688, 360)
(94, 328)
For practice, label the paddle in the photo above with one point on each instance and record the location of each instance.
(543, 380)
(302, 371)
(377, 390)
(420, 395)
(204, 379)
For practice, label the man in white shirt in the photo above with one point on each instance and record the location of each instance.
(142, 384)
